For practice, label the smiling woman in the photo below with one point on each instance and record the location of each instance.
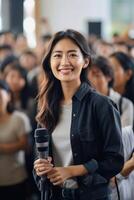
(67, 61)
(82, 146)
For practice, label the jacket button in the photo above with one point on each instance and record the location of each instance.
(72, 135)
(74, 114)
(75, 154)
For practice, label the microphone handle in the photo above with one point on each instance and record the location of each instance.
(43, 154)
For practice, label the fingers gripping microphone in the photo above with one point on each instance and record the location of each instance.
(42, 142)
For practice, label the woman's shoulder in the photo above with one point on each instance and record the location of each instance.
(99, 98)
(21, 117)
(117, 98)
(127, 103)
(20, 114)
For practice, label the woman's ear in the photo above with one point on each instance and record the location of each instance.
(87, 61)
(129, 74)
(108, 78)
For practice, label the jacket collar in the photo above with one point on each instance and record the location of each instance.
(83, 90)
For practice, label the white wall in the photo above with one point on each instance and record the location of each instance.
(75, 14)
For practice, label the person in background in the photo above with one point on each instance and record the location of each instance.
(101, 75)
(28, 60)
(21, 44)
(16, 77)
(42, 45)
(85, 149)
(5, 50)
(13, 143)
(123, 67)
(120, 46)
(125, 179)
(8, 37)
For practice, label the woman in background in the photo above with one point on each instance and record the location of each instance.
(13, 143)
(101, 75)
(16, 77)
(123, 67)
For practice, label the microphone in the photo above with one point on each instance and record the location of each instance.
(42, 145)
(42, 142)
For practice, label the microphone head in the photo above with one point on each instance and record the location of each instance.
(41, 139)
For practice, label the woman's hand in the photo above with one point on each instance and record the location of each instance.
(132, 160)
(58, 175)
(112, 182)
(43, 166)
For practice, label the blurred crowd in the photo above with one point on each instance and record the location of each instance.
(111, 73)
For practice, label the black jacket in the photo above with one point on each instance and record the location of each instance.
(96, 141)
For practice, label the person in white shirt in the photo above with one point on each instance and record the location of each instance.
(13, 143)
(101, 75)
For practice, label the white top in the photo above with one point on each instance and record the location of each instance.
(127, 117)
(12, 166)
(62, 152)
(125, 184)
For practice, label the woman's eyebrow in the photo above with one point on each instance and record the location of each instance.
(69, 51)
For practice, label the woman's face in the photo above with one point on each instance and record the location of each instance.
(15, 81)
(99, 80)
(120, 77)
(4, 99)
(67, 61)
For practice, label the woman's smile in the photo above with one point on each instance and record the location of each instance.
(65, 70)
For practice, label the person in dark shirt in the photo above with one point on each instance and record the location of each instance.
(86, 149)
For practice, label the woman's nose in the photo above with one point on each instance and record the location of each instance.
(64, 60)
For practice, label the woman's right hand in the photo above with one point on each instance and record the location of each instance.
(43, 166)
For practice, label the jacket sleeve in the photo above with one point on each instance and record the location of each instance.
(108, 135)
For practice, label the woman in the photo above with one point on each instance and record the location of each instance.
(16, 77)
(101, 76)
(123, 67)
(86, 151)
(13, 143)
(125, 179)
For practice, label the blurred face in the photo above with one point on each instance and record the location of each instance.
(4, 54)
(4, 99)
(120, 76)
(105, 50)
(67, 61)
(15, 81)
(99, 80)
(28, 62)
(120, 47)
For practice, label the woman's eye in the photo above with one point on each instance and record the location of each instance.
(57, 56)
(73, 55)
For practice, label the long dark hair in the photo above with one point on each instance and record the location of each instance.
(24, 93)
(126, 63)
(51, 92)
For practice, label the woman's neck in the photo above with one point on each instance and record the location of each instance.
(120, 90)
(69, 90)
(4, 117)
(16, 96)
(105, 91)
